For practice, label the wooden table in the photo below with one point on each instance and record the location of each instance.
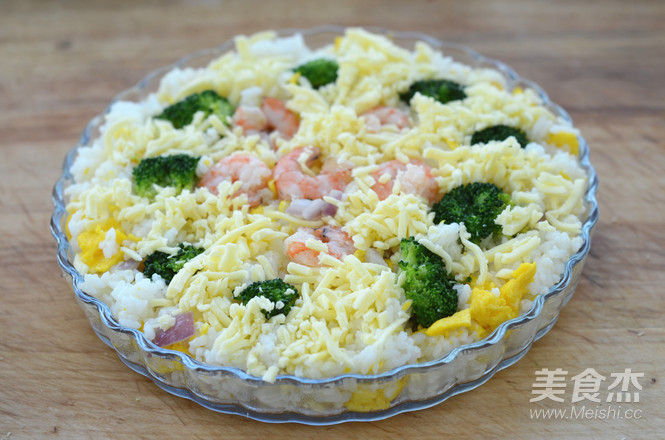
(61, 63)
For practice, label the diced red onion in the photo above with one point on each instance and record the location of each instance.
(314, 210)
(330, 209)
(311, 209)
(336, 194)
(128, 265)
(297, 207)
(182, 329)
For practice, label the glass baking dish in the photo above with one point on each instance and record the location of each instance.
(326, 401)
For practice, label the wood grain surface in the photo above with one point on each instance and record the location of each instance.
(62, 61)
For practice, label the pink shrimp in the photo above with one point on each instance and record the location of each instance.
(251, 171)
(280, 118)
(382, 115)
(272, 116)
(339, 244)
(292, 183)
(251, 119)
(414, 178)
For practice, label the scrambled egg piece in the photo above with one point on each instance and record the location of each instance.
(562, 139)
(446, 325)
(489, 310)
(182, 347)
(366, 400)
(91, 253)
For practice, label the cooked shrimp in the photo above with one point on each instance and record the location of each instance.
(251, 119)
(280, 118)
(339, 244)
(414, 178)
(272, 116)
(292, 183)
(382, 115)
(251, 171)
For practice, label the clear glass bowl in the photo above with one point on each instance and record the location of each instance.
(323, 401)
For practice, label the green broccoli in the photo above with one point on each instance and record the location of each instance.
(319, 72)
(276, 291)
(426, 283)
(178, 170)
(476, 205)
(167, 265)
(442, 90)
(182, 112)
(499, 133)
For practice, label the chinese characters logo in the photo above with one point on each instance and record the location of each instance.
(552, 384)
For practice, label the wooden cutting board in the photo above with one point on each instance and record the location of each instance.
(62, 62)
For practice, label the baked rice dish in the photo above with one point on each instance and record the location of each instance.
(349, 209)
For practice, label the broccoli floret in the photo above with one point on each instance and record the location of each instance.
(275, 290)
(167, 265)
(178, 170)
(182, 112)
(319, 72)
(442, 90)
(426, 283)
(476, 205)
(499, 133)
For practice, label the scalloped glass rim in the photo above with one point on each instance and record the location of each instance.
(560, 293)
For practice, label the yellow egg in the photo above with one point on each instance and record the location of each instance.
(272, 187)
(182, 347)
(452, 143)
(67, 231)
(338, 43)
(89, 242)
(446, 325)
(365, 399)
(489, 310)
(294, 78)
(359, 254)
(562, 139)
